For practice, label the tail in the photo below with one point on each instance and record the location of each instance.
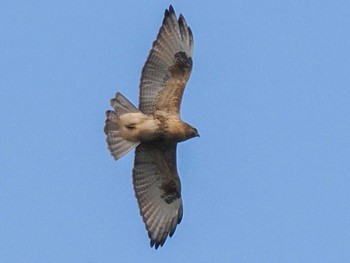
(117, 145)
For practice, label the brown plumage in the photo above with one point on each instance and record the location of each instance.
(155, 128)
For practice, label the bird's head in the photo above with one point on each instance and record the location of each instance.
(191, 131)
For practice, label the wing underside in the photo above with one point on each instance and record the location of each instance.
(158, 191)
(168, 66)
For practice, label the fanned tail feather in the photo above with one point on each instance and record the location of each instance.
(117, 145)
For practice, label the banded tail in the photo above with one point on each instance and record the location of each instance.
(117, 145)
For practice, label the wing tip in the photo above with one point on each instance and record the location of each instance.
(156, 244)
(171, 9)
(159, 240)
(169, 14)
(166, 14)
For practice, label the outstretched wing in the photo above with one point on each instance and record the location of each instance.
(168, 66)
(158, 191)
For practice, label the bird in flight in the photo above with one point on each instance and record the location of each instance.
(155, 128)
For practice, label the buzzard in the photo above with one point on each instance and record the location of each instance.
(155, 128)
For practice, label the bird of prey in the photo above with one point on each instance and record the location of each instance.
(155, 128)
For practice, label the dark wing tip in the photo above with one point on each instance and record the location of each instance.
(171, 9)
(182, 21)
(179, 218)
(166, 14)
(169, 13)
(155, 244)
(190, 33)
(172, 231)
(186, 31)
(160, 240)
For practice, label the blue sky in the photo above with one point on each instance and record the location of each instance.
(267, 181)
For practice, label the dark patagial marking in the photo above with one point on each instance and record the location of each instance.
(171, 192)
